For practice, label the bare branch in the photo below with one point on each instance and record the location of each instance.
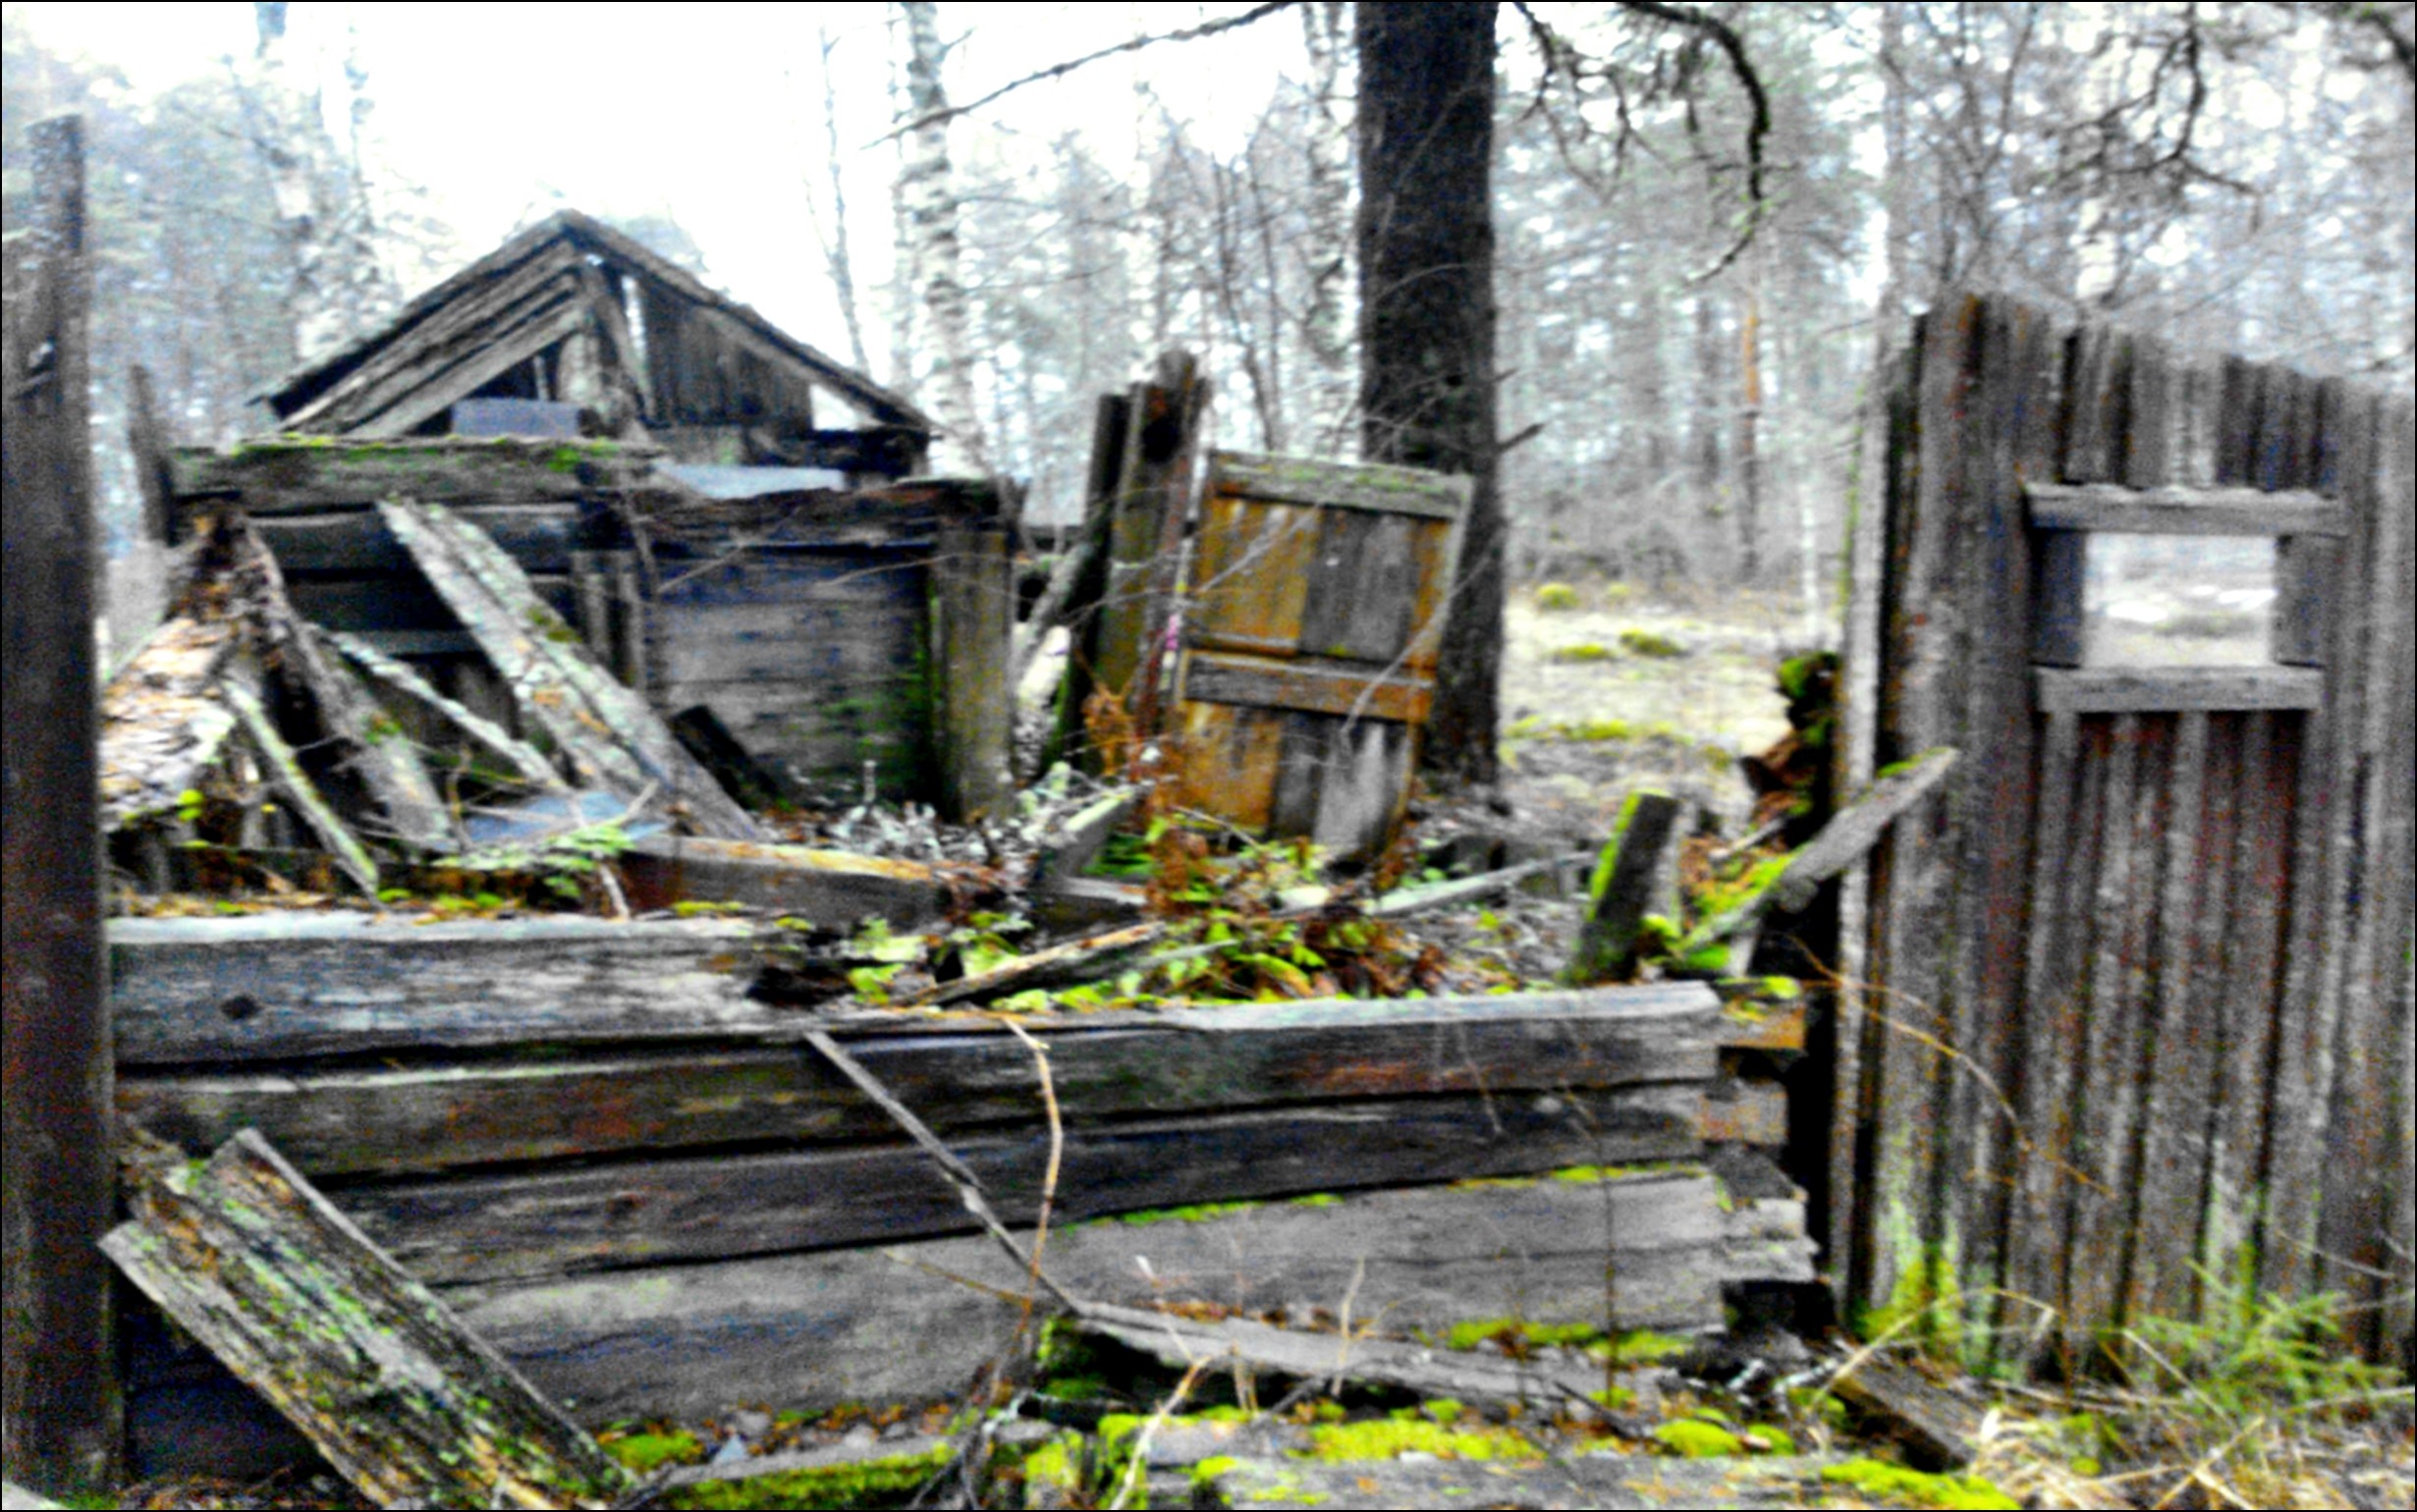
(1061, 70)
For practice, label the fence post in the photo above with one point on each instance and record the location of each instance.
(60, 1419)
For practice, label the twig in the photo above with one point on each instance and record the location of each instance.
(1342, 1358)
(1057, 1153)
(1061, 70)
(968, 1188)
(1134, 1466)
(946, 1274)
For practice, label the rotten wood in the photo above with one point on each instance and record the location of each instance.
(285, 770)
(973, 625)
(475, 1226)
(164, 721)
(375, 749)
(1070, 736)
(836, 888)
(1628, 879)
(386, 1382)
(606, 1098)
(1145, 535)
(274, 475)
(555, 684)
(1077, 960)
(523, 757)
(1936, 1430)
(2172, 509)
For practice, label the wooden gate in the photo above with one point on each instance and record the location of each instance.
(1317, 602)
(2135, 1033)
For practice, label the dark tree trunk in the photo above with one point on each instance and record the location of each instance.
(1426, 279)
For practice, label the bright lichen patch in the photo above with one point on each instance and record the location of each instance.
(1689, 1439)
(1191, 1214)
(1519, 1334)
(1584, 651)
(1387, 1438)
(1638, 642)
(1899, 1486)
(864, 1483)
(649, 1452)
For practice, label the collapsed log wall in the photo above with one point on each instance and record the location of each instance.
(623, 1167)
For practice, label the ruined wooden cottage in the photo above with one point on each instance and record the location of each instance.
(718, 509)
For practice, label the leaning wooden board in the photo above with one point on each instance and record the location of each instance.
(1318, 599)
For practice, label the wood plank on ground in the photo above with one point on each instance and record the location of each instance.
(1628, 879)
(833, 887)
(380, 1376)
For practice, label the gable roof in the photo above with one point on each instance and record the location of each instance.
(513, 302)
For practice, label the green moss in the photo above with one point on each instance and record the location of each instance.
(1317, 1199)
(1057, 1463)
(864, 1483)
(1646, 643)
(1476, 1331)
(1691, 1439)
(1584, 651)
(1208, 1469)
(563, 459)
(1191, 1214)
(1387, 1438)
(1764, 1439)
(1444, 1409)
(649, 1452)
(1885, 1482)
(1642, 1346)
(1556, 598)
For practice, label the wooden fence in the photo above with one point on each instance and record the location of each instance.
(2134, 1034)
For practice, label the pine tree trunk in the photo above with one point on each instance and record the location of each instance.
(931, 230)
(1427, 372)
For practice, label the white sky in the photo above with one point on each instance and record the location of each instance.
(711, 113)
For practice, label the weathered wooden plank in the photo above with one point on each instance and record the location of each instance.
(1068, 738)
(2251, 999)
(1362, 596)
(832, 887)
(163, 722)
(386, 1382)
(565, 690)
(719, 1206)
(1628, 879)
(1230, 759)
(1305, 683)
(2110, 1060)
(2353, 1222)
(271, 986)
(1353, 486)
(285, 771)
(285, 475)
(2312, 1001)
(1250, 576)
(1145, 534)
(2054, 977)
(524, 758)
(2209, 906)
(973, 622)
(815, 1330)
(357, 542)
(2180, 1052)
(1736, 1110)
(2172, 689)
(355, 1119)
(2174, 509)
(2060, 596)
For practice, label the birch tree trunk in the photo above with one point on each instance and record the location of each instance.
(340, 287)
(1326, 322)
(930, 198)
(835, 242)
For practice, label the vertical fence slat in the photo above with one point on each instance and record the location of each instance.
(1921, 705)
(2246, 1004)
(2209, 909)
(2179, 1054)
(2396, 878)
(2311, 1008)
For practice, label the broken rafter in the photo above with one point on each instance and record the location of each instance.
(404, 1400)
(285, 769)
(375, 748)
(613, 739)
(524, 758)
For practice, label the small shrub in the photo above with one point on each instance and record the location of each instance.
(1646, 643)
(1556, 598)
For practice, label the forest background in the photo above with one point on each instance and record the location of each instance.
(1679, 366)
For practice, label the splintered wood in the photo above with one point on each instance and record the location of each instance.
(384, 1381)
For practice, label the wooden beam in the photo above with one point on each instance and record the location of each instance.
(282, 475)
(833, 887)
(1349, 486)
(1627, 878)
(379, 1374)
(617, 1099)
(2175, 510)
(469, 1227)
(59, 1390)
(2175, 689)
